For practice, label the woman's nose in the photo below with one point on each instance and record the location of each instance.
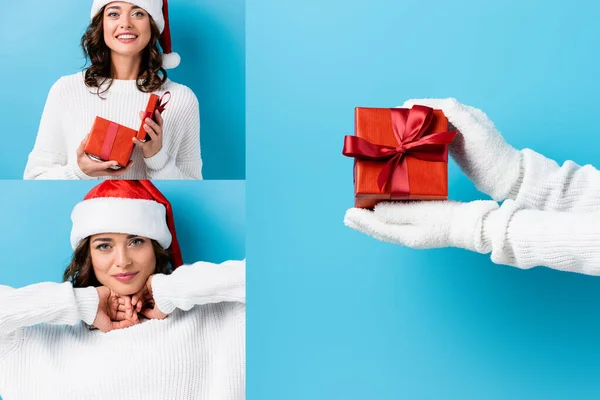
(122, 258)
(126, 21)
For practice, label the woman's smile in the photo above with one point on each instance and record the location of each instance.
(126, 37)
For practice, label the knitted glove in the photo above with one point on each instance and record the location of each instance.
(479, 149)
(425, 224)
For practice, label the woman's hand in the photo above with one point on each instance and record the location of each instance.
(425, 224)
(108, 316)
(155, 130)
(96, 168)
(141, 302)
(479, 149)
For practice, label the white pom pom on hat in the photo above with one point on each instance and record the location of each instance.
(159, 11)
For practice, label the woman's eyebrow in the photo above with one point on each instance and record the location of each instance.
(119, 7)
(102, 240)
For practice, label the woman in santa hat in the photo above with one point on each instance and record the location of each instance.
(122, 325)
(125, 65)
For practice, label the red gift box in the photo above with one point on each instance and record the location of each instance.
(400, 154)
(109, 141)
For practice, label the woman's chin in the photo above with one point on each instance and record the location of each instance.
(125, 289)
(126, 51)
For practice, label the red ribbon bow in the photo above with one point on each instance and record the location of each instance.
(160, 106)
(409, 128)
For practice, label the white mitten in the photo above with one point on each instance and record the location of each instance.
(425, 224)
(479, 149)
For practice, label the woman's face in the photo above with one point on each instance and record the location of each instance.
(126, 28)
(122, 262)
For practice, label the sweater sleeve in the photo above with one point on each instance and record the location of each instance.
(48, 302)
(48, 159)
(187, 163)
(200, 283)
(525, 238)
(544, 185)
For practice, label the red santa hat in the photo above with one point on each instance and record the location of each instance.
(159, 11)
(130, 207)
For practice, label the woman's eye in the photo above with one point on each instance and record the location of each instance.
(112, 15)
(137, 242)
(138, 14)
(103, 247)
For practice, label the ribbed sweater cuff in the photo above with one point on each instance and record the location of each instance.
(87, 303)
(495, 228)
(73, 172)
(157, 161)
(160, 292)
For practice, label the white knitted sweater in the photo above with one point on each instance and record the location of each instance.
(197, 352)
(551, 218)
(69, 114)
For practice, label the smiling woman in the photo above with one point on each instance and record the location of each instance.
(123, 44)
(127, 299)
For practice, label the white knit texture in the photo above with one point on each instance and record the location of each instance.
(70, 111)
(120, 215)
(552, 218)
(47, 352)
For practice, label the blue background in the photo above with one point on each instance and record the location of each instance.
(40, 43)
(210, 220)
(335, 314)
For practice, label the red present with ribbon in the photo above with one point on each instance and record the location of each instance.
(400, 154)
(109, 141)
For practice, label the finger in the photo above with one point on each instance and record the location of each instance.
(128, 309)
(121, 307)
(153, 314)
(121, 171)
(121, 315)
(142, 114)
(80, 149)
(413, 212)
(98, 166)
(150, 129)
(158, 117)
(152, 124)
(121, 324)
(365, 221)
(138, 142)
(147, 312)
(135, 298)
(134, 316)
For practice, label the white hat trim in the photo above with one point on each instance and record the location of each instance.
(117, 215)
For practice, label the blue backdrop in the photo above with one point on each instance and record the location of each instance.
(338, 315)
(210, 220)
(40, 43)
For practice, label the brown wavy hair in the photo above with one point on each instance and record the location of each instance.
(80, 271)
(151, 76)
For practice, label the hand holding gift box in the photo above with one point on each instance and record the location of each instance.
(531, 187)
(400, 154)
(109, 141)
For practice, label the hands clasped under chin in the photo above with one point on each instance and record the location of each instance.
(117, 311)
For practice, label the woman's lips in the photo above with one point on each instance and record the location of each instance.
(126, 38)
(125, 277)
